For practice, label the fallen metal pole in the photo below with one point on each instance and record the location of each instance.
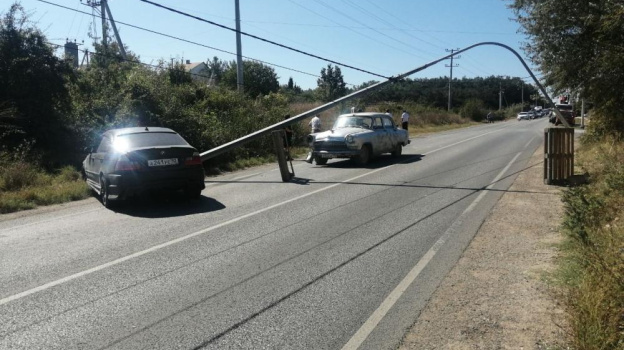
(245, 139)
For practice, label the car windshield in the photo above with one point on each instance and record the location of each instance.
(353, 122)
(564, 107)
(125, 142)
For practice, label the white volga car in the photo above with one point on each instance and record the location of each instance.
(359, 136)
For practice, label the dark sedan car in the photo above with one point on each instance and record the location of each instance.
(133, 161)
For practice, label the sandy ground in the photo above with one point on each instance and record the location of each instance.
(496, 297)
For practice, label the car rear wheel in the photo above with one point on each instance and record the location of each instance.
(320, 161)
(193, 192)
(365, 154)
(398, 150)
(104, 193)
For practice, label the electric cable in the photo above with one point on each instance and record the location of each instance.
(187, 41)
(261, 39)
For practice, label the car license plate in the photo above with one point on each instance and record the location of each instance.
(325, 155)
(162, 162)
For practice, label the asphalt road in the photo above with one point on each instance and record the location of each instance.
(343, 257)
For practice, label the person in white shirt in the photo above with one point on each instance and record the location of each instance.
(388, 113)
(315, 124)
(405, 119)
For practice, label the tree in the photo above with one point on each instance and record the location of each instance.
(216, 68)
(331, 85)
(33, 87)
(579, 46)
(291, 88)
(258, 78)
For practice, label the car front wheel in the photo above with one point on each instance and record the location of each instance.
(320, 161)
(365, 154)
(398, 150)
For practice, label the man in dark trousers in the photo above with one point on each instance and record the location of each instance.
(405, 120)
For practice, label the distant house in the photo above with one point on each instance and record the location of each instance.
(199, 71)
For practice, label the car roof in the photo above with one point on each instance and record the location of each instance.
(140, 130)
(363, 114)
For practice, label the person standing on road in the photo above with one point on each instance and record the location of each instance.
(315, 124)
(489, 117)
(405, 120)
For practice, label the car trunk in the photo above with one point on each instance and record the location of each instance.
(161, 158)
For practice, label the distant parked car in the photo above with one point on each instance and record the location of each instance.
(524, 116)
(359, 136)
(133, 161)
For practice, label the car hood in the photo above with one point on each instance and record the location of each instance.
(339, 134)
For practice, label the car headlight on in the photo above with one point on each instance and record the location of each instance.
(349, 138)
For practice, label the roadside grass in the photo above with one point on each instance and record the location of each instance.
(591, 269)
(25, 186)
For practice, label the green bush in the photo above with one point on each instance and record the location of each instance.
(26, 186)
(473, 109)
(15, 176)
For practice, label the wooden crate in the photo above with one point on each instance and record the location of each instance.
(558, 155)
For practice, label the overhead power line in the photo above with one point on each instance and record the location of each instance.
(262, 39)
(187, 41)
(131, 61)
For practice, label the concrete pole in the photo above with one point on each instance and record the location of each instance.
(121, 47)
(239, 51)
(500, 96)
(450, 81)
(582, 113)
(103, 11)
(522, 96)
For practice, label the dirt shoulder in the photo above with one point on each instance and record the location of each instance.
(495, 297)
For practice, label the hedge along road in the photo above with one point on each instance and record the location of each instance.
(360, 93)
(257, 262)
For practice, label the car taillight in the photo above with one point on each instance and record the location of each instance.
(194, 160)
(124, 164)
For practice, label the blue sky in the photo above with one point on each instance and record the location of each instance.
(385, 37)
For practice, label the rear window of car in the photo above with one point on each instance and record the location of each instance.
(150, 139)
(564, 107)
(353, 121)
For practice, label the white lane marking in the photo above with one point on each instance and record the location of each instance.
(366, 329)
(191, 235)
(528, 143)
(174, 241)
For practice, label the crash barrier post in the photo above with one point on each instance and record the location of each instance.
(558, 155)
(278, 142)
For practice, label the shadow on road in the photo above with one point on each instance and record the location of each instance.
(167, 205)
(375, 163)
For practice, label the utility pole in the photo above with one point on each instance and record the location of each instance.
(103, 12)
(522, 84)
(583, 113)
(500, 96)
(239, 51)
(451, 75)
(110, 15)
(104, 9)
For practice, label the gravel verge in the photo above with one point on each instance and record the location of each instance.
(496, 296)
